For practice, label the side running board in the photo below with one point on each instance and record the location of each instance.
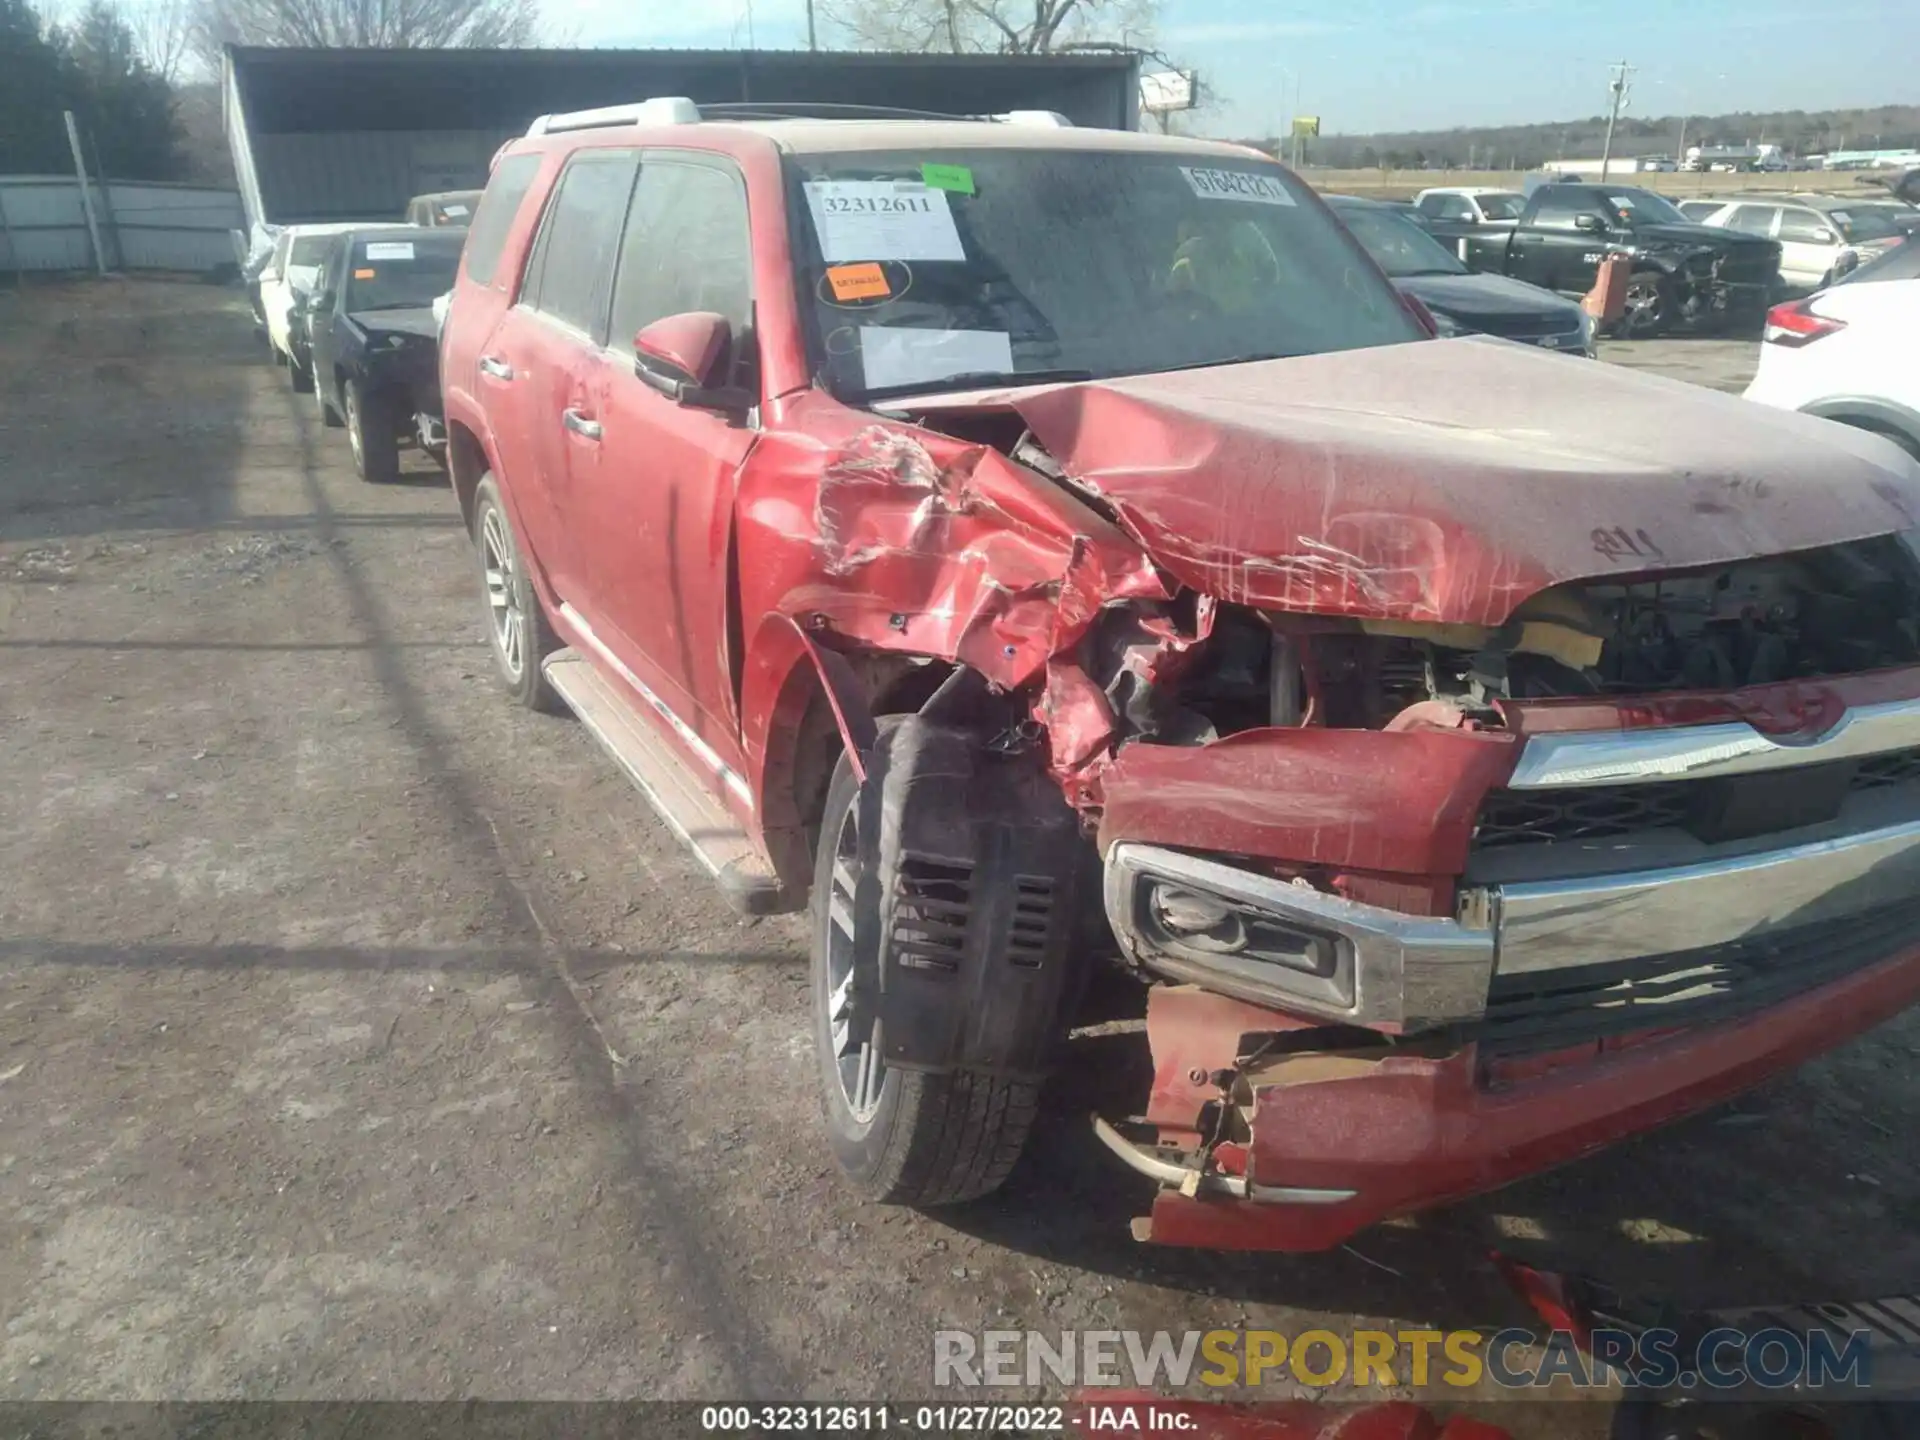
(745, 875)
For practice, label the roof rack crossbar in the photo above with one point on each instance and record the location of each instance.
(818, 110)
(658, 110)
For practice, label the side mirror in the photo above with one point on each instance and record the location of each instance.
(1589, 222)
(681, 356)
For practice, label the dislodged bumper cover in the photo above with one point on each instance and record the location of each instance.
(1449, 481)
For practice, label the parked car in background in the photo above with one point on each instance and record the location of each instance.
(446, 207)
(1658, 164)
(1821, 237)
(371, 328)
(284, 285)
(1903, 217)
(1471, 205)
(1849, 352)
(1462, 301)
(1699, 210)
(1024, 545)
(1682, 272)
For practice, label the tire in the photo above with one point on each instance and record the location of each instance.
(371, 424)
(915, 1139)
(328, 417)
(298, 376)
(1908, 443)
(1654, 315)
(517, 630)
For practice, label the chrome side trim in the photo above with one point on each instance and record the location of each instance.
(1407, 971)
(1168, 1172)
(1690, 752)
(702, 751)
(1549, 925)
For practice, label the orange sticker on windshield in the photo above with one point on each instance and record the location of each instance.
(363, 274)
(858, 282)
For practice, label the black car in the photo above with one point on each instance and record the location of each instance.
(1462, 302)
(1681, 271)
(371, 330)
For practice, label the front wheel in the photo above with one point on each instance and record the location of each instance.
(299, 377)
(1649, 306)
(903, 1137)
(371, 424)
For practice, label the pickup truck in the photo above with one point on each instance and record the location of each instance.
(1682, 271)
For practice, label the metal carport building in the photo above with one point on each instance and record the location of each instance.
(352, 134)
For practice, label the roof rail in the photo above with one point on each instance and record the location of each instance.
(1040, 119)
(818, 110)
(660, 110)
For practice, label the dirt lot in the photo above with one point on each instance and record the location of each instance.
(363, 1036)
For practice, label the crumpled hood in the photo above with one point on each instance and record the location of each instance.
(1448, 481)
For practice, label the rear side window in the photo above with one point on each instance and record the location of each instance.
(1804, 227)
(571, 273)
(1752, 219)
(511, 180)
(686, 249)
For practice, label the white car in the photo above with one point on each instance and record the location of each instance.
(1851, 352)
(1472, 204)
(1821, 237)
(290, 274)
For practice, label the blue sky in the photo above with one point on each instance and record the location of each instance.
(1367, 65)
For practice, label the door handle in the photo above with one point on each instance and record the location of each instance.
(580, 425)
(497, 368)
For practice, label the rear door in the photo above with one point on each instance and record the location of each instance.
(664, 498)
(1809, 245)
(535, 364)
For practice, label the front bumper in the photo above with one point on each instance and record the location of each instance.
(1340, 1142)
(1575, 994)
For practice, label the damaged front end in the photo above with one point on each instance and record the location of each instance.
(1474, 781)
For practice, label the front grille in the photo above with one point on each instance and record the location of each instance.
(1748, 265)
(1524, 327)
(1556, 1008)
(1726, 807)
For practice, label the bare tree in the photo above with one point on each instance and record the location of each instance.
(1008, 27)
(163, 32)
(365, 24)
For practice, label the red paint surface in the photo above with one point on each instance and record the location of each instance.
(688, 345)
(1400, 801)
(1450, 482)
(1803, 708)
(1415, 1132)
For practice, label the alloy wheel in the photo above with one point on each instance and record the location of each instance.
(503, 593)
(853, 1029)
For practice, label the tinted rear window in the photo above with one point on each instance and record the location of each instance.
(571, 274)
(511, 180)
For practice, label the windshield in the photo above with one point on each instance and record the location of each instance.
(402, 274)
(970, 266)
(1399, 246)
(1868, 222)
(1502, 207)
(1633, 207)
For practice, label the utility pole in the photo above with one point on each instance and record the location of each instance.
(86, 195)
(1618, 88)
(1680, 155)
(812, 44)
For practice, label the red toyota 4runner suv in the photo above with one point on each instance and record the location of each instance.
(1023, 544)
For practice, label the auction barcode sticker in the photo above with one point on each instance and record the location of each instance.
(1210, 184)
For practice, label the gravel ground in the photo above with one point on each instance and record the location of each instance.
(364, 1037)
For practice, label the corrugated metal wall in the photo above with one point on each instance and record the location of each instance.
(356, 174)
(143, 226)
